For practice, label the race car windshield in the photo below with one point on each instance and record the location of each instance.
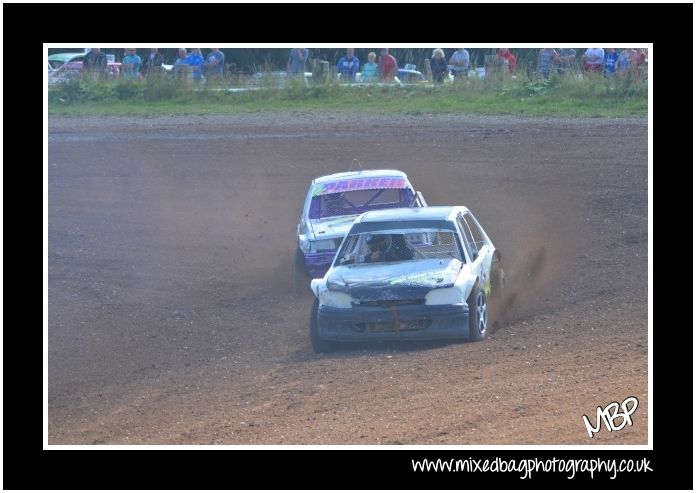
(399, 245)
(358, 201)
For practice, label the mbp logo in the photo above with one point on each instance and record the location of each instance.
(610, 414)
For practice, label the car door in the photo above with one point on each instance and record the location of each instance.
(477, 257)
(483, 250)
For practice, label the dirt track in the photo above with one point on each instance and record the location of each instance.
(171, 315)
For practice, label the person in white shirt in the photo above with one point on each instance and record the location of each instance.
(459, 62)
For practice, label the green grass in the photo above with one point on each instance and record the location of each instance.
(591, 97)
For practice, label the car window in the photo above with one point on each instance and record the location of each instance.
(469, 243)
(399, 245)
(358, 201)
(475, 229)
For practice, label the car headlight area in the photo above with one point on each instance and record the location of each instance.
(318, 246)
(323, 246)
(445, 296)
(335, 299)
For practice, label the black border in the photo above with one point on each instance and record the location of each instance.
(373, 469)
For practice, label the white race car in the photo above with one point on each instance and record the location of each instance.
(332, 204)
(423, 273)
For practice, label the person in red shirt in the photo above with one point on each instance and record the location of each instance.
(640, 56)
(387, 66)
(504, 57)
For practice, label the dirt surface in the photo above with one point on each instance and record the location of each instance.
(171, 313)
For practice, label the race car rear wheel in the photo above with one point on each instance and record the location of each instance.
(497, 277)
(478, 314)
(318, 344)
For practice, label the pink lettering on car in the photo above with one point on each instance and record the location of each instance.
(359, 184)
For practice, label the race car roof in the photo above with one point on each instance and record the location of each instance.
(366, 173)
(438, 213)
(359, 180)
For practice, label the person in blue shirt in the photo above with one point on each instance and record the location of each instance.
(623, 64)
(565, 62)
(297, 61)
(181, 60)
(130, 64)
(610, 58)
(214, 65)
(196, 60)
(546, 58)
(348, 65)
(459, 63)
(370, 72)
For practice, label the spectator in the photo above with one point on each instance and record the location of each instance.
(593, 60)
(459, 62)
(565, 60)
(546, 57)
(438, 66)
(506, 59)
(297, 61)
(348, 65)
(641, 58)
(95, 63)
(215, 64)
(370, 71)
(181, 60)
(131, 64)
(610, 58)
(624, 63)
(387, 66)
(196, 60)
(153, 63)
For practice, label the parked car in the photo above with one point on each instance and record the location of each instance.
(65, 66)
(473, 73)
(408, 273)
(409, 75)
(332, 204)
(406, 75)
(276, 80)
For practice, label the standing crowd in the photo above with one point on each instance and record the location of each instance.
(383, 68)
(607, 61)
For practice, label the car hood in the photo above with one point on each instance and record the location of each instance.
(394, 280)
(331, 227)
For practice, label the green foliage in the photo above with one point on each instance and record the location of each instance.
(570, 95)
(128, 89)
(97, 90)
(160, 89)
(537, 86)
(67, 92)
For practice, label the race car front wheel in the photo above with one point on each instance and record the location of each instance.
(318, 344)
(478, 314)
